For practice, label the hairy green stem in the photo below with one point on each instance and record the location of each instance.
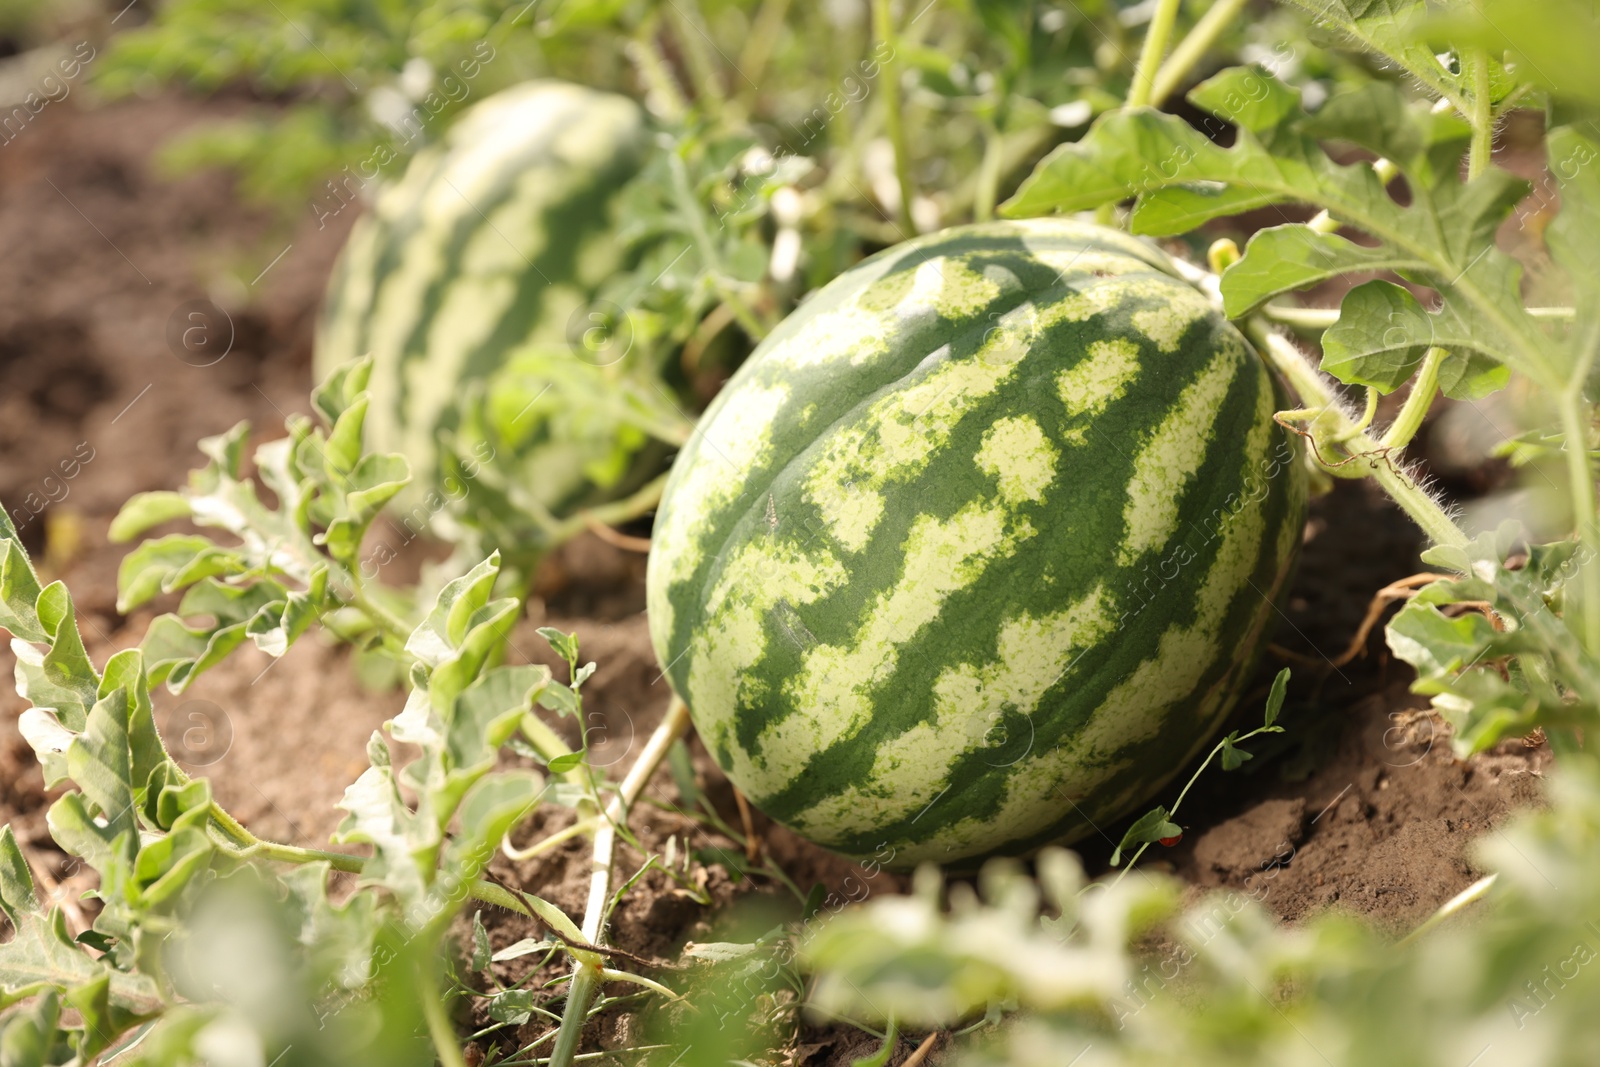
(894, 117)
(1367, 415)
(1195, 44)
(585, 983)
(445, 1042)
(1315, 319)
(757, 52)
(691, 36)
(391, 624)
(232, 828)
(1575, 426)
(641, 502)
(988, 186)
(273, 850)
(1423, 389)
(244, 843)
(1476, 891)
(1482, 116)
(660, 86)
(1141, 92)
(587, 973)
(1316, 393)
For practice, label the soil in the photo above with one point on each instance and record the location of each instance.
(1359, 806)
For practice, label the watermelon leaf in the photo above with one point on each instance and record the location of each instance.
(1488, 670)
(564, 763)
(294, 563)
(1149, 828)
(1383, 333)
(1247, 97)
(1388, 28)
(144, 510)
(1281, 259)
(1444, 238)
(1280, 688)
(1233, 756)
(565, 644)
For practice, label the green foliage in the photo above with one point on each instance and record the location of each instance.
(189, 900)
(208, 939)
(1444, 238)
(1506, 664)
(373, 81)
(294, 562)
(1530, 662)
(1222, 982)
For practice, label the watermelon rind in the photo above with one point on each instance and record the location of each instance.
(978, 548)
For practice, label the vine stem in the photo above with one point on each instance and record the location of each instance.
(1195, 44)
(988, 185)
(391, 624)
(641, 502)
(1423, 390)
(1474, 892)
(1575, 427)
(545, 844)
(1317, 394)
(243, 844)
(1314, 392)
(894, 118)
(273, 850)
(549, 745)
(1193, 778)
(764, 32)
(1141, 93)
(445, 1042)
(588, 974)
(1314, 319)
(661, 90)
(1482, 116)
(692, 40)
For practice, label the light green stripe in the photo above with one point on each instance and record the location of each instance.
(1168, 461)
(837, 682)
(1016, 453)
(729, 447)
(899, 434)
(911, 770)
(1166, 323)
(762, 575)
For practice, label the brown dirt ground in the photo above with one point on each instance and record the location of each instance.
(1361, 806)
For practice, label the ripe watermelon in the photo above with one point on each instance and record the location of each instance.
(975, 551)
(480, 263)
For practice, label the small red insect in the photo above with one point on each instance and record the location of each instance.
(1173, 840)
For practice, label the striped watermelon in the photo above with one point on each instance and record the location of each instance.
(975, 551)
(478, 262)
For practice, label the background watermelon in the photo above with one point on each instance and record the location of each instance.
(470, 283)
(974, 552)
